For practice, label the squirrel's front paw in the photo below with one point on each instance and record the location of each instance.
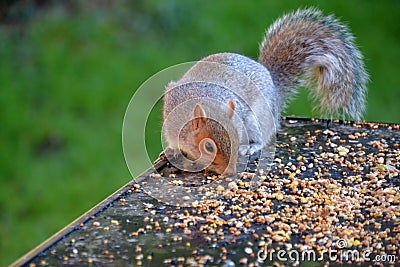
(255, 149)
(243, 150)
(169, 153)
(251, 149)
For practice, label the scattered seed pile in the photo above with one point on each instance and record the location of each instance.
(331, 197)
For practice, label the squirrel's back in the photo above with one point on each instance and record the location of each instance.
(231, 76)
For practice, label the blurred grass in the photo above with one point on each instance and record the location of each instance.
(67, 72)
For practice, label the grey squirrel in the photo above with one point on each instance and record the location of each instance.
(227, 104)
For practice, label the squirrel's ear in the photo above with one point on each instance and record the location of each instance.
(231, 108)
(199, 111)
(199, 117)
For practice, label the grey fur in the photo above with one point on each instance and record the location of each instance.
(301, 48)
(318, 52)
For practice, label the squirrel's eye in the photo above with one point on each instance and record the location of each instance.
(209, 147)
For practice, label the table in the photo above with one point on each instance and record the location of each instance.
(330, 196)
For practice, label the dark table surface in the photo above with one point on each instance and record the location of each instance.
(330, 196)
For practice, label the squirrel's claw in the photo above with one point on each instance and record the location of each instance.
(251, 149)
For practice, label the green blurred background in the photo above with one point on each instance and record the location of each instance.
(69, 68)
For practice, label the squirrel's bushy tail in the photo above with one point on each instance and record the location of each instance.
(307, 48)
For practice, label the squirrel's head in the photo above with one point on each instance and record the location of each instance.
(212, 141)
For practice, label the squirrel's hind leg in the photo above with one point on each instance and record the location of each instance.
(254, 133)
